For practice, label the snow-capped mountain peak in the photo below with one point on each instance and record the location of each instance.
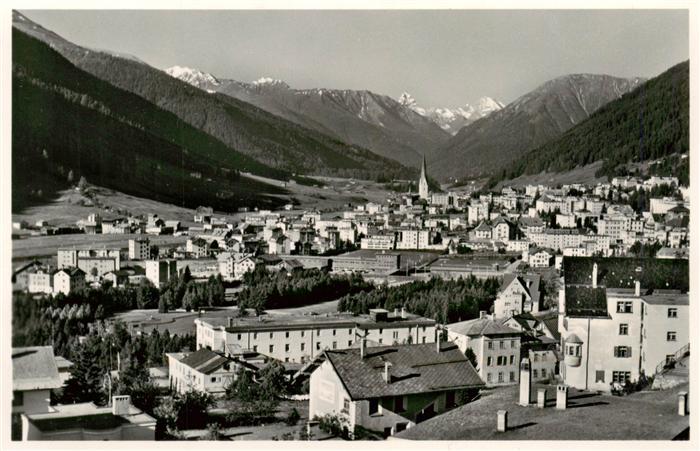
(195, 77)
(268, 81)
(452, 119)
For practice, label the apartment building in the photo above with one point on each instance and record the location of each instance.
(518, 294)
(300, 338)
(496, 347)
(139, 249)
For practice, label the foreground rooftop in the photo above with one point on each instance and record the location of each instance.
(590, 416)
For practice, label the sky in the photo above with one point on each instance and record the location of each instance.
(442, 58)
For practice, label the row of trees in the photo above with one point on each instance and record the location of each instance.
(183, 292)
(265, 289)
(445, 301)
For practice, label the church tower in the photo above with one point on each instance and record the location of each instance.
(423, 182)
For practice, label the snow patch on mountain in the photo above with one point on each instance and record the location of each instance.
(194, 77)
(452, 119)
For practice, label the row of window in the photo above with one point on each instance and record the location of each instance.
(502, 344)
(489, 376)
(318, 333)
(501, 360)
(626, 307)
(617, 376)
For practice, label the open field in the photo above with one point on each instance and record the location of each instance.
(585, 174)
(42, 247)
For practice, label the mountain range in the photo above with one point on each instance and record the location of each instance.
(269, 139)
(495, 141)
(649, 123)
(453, 119)
(363, 118)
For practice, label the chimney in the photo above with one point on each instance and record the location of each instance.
(363, 347)
(403, 313)
(230, 321)
(541, 398)
(562, 397)
(387, 375)
(683, 403)
(594, 277)
(502, 421)
(396, 312)
(120, 404)
(637, 288)
(525, 382)
(482, 314)
(437, 339)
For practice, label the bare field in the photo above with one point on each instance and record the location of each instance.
(585, 174)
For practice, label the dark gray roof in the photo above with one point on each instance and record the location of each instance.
(414, 369)
(481, 326)
(204, 360)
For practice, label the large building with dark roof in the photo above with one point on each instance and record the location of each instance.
(620, 319)
(391, 388)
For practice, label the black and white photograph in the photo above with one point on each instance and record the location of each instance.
(424, 225)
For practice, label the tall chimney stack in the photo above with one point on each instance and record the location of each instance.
(403, 313)
(387, 375)
(438, 333)
(637, 288)
(525, 381)
(594, 280)
(363, 347)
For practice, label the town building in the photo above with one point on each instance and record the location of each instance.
(139, 249)
(66, 280)
(202, 370)
(496, 347)
(300, 338)
(391, 388)
(159, 272)
(518, 294)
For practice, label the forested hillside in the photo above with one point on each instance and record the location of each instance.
(68, 124)
(648, 123)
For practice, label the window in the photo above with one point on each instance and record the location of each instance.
(512, 376)
(346, 405)
(624, 307)
(401, 427)
(536, 358)
(286, 335)
(624, 329)
(302, 346)
(622, 351)
(673, 313)
(600, 376)
(335, 344)
(399, 404)
(423, 328)
(488, 377)
(500, 376)
(380, 331)
(286, 359)
(17, 398)
(302, 333)
(255, 348)
(238, 337)
(513, 343)
(490, 345)
(380, 341)
(213, 379)
(349, 331)
(621, 376)
(423, 340)
(534, 374)
(318, 332)
(271, 334)
(395, 334)
(318, 345)
(272, 348)
(349, 343)
(334, 332)
(670, 358)
(255, 335)
(501, 344)
(373, 406)
(512, 359)
(489, 360)
(286, 347)
(670, 336)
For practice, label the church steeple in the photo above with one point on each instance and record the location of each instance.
(423, 181)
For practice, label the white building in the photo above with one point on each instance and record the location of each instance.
(139, 249)
(159, 272)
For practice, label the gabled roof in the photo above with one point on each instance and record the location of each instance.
(73, 272)
(205, 361)
(414, 369)
(533, 291)
(483, 227)
(34, 368)
(481, 326)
